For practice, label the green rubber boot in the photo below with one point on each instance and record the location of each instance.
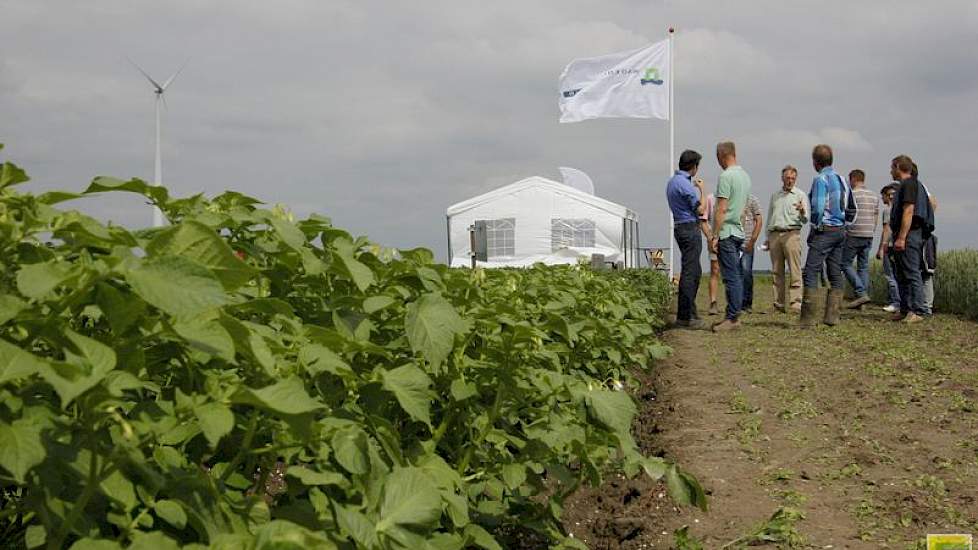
(832, 304)
(808, 308)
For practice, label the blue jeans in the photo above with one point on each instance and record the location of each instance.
(747, 269)
(907, 267)
(728, 252)
(824, 248)
(893, 290)
(858, 248)
(690, 241)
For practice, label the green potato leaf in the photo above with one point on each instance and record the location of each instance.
(178, 286)
(614, 409)
(20, 448)
(287, 397)
(16, 363)
(200, 243)
(171, 512)
(411, 387)
(410, 499)
(431, 324)
(216, 421)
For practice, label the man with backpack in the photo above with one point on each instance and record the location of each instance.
(832, 206)
(909, 223)
(928, 267)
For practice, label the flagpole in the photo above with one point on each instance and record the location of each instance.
(672, 143)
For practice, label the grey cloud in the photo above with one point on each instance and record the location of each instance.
(381, 114)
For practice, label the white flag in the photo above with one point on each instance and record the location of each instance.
(633, 84)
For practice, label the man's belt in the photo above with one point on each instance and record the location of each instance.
(785, 230)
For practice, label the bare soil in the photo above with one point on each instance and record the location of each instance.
(864, 436)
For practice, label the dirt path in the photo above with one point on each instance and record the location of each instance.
(861, 436)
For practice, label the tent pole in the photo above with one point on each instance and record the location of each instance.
(638, 245)
(448, 233)
(624, 238)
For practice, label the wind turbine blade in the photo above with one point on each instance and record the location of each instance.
(165, 106)
(140, 69)
(169, 80)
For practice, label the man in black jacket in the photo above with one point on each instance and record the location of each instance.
(907, 222)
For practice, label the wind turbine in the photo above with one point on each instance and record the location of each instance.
(158, 89)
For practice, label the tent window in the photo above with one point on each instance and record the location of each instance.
(571, 232)
(501, 237)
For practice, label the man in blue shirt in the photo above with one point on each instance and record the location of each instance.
(687, 205)
(827, 239)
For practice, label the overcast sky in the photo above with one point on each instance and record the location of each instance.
(382, 114)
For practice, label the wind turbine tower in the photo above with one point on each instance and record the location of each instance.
(158, 89)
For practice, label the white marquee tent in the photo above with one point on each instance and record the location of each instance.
(541, 220)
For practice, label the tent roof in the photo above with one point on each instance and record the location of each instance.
(537, 181)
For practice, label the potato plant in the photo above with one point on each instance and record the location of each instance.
(241, 379)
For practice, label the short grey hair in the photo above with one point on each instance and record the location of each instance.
(789, 168)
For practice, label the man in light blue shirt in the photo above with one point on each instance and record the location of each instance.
(687, 205)
(827, 239)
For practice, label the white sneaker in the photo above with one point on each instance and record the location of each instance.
(891, 308)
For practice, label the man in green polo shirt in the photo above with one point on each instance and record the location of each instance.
(787, 213)
(733, 189)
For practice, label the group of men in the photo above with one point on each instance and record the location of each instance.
(843, 218)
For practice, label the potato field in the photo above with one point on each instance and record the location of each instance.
(240, 379)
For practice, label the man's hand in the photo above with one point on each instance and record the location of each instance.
(749, 245)
(698, 183)
(900, 244)
(714, 242)
(879, 254)
(800, 207)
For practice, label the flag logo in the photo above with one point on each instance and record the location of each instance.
(949, 542)
(652, 77)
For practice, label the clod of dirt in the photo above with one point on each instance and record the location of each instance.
(627, 528)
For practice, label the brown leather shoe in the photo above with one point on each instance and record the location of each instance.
(726, 325)
(692, 324)
(858, 302)
(912, 318)
(898, 316)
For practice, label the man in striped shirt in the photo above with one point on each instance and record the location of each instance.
(859, 238)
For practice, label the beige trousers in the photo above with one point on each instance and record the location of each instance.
(786, 248)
